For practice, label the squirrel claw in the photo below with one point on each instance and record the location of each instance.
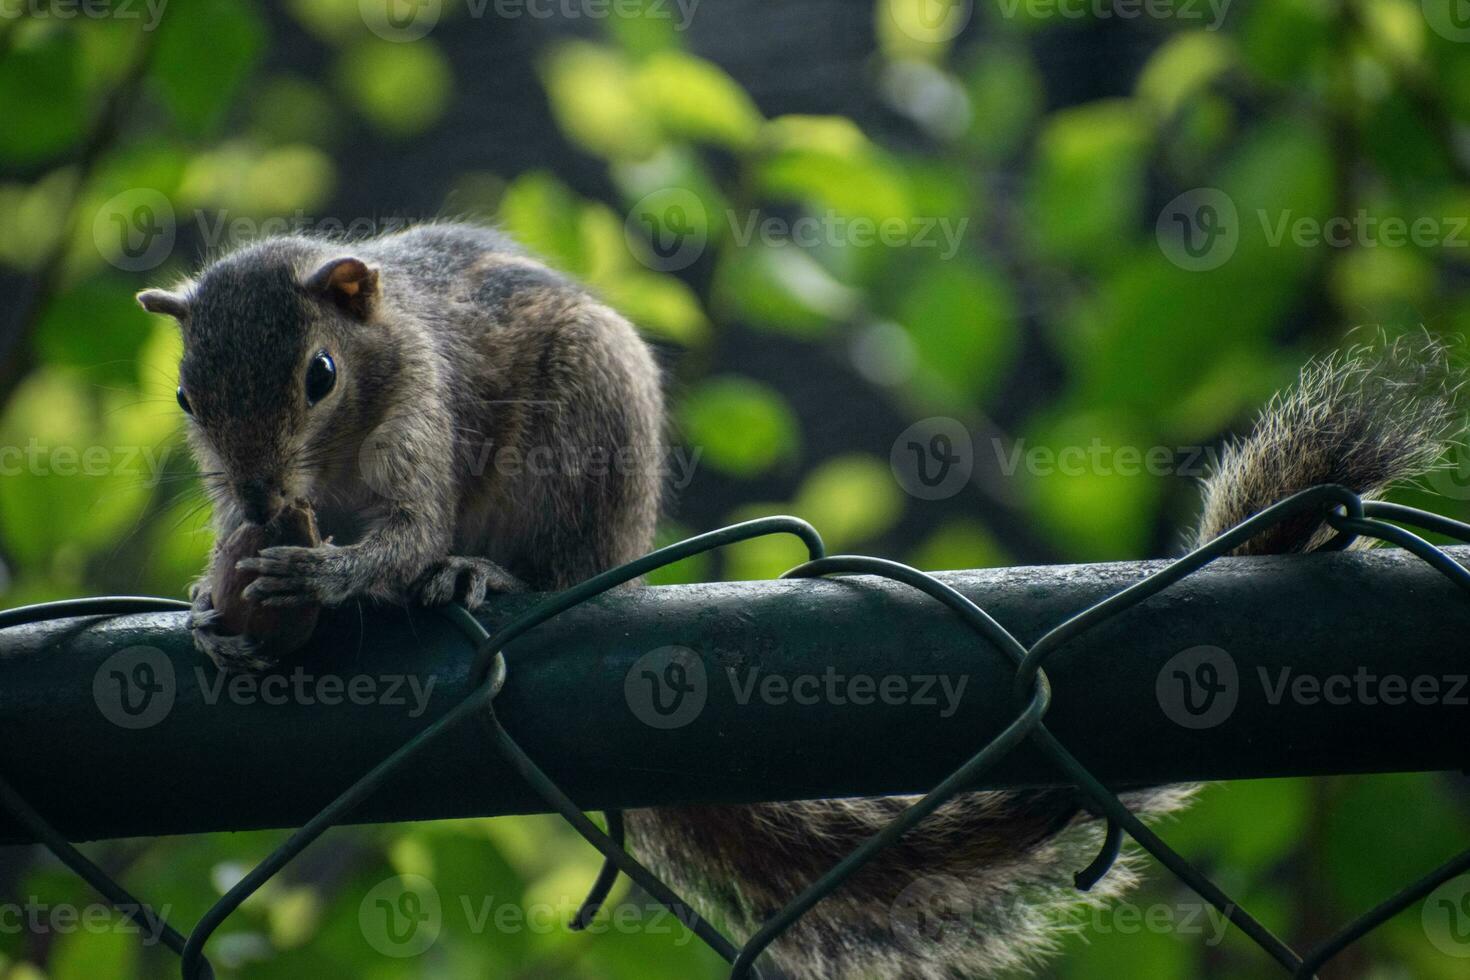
(231, 654)
(469, 579)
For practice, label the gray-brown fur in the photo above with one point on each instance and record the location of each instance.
(493, 426)
(1364, 418)
(463, 341)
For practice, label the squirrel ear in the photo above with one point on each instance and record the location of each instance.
(165, 302)
(348, 283)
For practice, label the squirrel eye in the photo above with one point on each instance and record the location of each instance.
(184, 401)
(321, 377)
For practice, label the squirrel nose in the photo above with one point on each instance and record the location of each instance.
(259, 500)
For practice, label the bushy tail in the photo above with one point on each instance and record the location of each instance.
(1364, 418)
(984, 886)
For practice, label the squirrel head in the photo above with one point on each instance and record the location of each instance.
(276, 337)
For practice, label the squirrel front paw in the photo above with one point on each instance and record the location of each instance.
(232, 654)
(465, 579)
(202, 613)
(289, 575)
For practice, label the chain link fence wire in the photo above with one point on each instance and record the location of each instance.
(1342, 509)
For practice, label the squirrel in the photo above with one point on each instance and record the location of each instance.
(369, 381)
(462, 419)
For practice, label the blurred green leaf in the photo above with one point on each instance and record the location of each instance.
(543, 215)
(206, 49)
(402, 89)
(32, 217)
(920, 28)
(961, 317)
(40, 88)
(1182, 67)
(241, 180)
(1087, 483)
(829, 162)
(660, 304)
(850, 499)
(1006, 93)
(961, 543)
(97, 327)
(781, 288)
(1287, 40)
(739, 425)
(592, 94)
(86, 952)
(1143, 338)
(292, 109)
(694, 99)
(1085, 192)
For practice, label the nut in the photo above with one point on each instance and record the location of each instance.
(274, 631)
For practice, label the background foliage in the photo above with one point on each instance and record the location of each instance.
(1054, 137)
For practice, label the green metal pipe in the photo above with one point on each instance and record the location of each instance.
(746, 691)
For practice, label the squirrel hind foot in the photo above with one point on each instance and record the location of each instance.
(466, 579)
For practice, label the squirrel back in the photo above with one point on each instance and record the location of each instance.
(460, 418)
